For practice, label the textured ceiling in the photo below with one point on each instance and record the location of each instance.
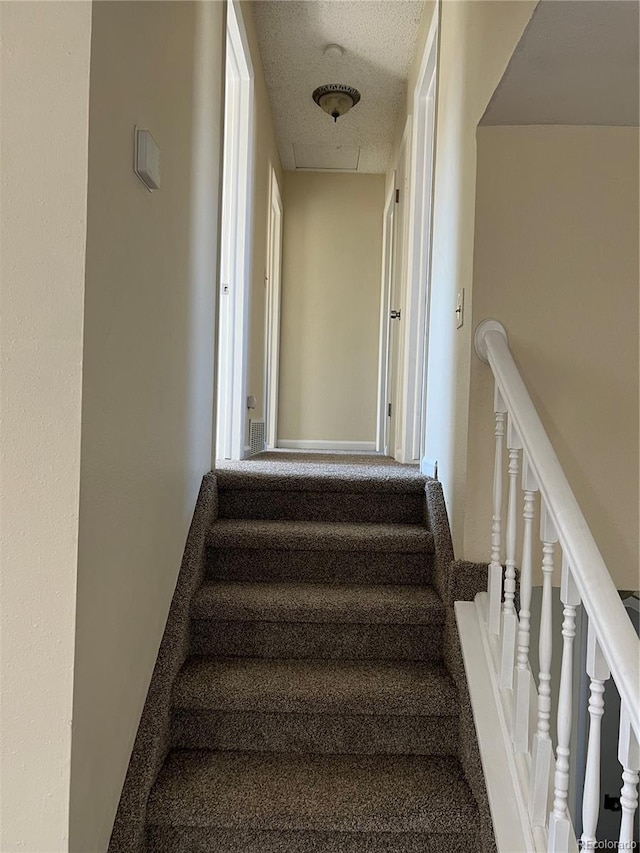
(379, 39)
(577, 63)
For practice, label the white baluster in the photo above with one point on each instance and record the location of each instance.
(542, 752)
(523, 673)
(494, 582)
(598, 672)
(560, 829)
(629, 758)
(509, 617)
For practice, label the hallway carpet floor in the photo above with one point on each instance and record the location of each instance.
(315, 713)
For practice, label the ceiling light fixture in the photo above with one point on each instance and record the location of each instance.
(336, 99)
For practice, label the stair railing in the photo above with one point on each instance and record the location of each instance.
(613, 648)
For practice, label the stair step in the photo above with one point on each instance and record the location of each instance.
(305, 505)
(333, 734)
(314, 706)
(308, 602)
(315, 686)
(326, 640)
(311, 477)
(242, 550)
(303, 620)
(237, 564)
(320, 536)
(169, 839)
(327, 793)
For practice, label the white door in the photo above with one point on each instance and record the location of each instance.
(395, 315)
(273, 282)
(382, 435)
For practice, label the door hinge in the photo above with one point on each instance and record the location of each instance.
(395, 315)
(389, 410)
(398, 196)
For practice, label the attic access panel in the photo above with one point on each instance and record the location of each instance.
(334, 158)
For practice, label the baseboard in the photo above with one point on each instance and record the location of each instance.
(291, 444)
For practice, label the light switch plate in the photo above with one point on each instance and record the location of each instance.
(147, 160)
(460, 309)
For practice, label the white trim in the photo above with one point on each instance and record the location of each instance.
(508, 807)
(429, 467)
(274, 291)
(290, 444)
(234, 316)
(413, 369)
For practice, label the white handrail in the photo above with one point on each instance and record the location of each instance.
(616, 635)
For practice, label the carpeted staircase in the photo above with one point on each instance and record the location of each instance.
(315, 713)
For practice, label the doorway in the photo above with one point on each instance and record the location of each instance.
(274, 289)
(235, 241)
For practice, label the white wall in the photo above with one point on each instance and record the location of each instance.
(330, 306)
(556, 261)
(148, 368)
(44, 109)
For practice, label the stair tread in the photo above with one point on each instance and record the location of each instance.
(310, 477)
(309, 792)
(315, 686)
(320, 536)
(171, 839)
(317, 602)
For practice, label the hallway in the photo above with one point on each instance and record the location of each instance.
(525, 209)
(319, 464)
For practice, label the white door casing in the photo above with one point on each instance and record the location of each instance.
(274, 290)
(418, 269)
(235, 241)
(406, 275)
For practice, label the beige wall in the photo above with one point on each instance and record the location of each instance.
(477, 39)
(266, 157)
(330, 306)
(44, 113)
(148, 368)
(556, 261)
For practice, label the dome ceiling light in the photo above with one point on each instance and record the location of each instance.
(336, 99)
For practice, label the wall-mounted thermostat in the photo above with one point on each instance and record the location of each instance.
(147, 160)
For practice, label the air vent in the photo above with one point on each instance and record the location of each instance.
(256, 437)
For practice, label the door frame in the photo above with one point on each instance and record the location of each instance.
(274, 298)
(414, 332)
(237, 200)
